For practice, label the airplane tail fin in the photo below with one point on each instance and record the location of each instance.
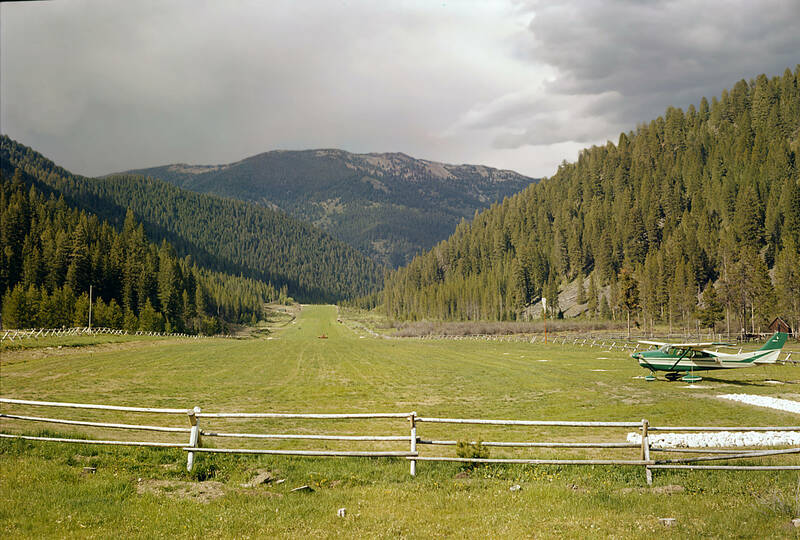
(773, 347)
(777, 341)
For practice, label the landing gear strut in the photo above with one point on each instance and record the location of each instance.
(691, 377)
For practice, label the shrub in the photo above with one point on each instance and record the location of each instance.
(476, 450)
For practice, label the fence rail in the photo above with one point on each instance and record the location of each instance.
(606, 343)
(643, 458)
(36, 333)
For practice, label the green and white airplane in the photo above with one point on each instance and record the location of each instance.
(686, 358)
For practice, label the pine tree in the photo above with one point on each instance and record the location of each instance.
(787, 285)
(628, 294)
(758, 289)
(636, 239)
(791, 212)
(712, 310)
(15, 310)
(168, 286)
(551, 293)
(593, 305)
(581, 292)
(130, 321)
(150, 320)
(749, 221)
(605, 309)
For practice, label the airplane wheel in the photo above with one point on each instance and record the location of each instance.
(673, 376)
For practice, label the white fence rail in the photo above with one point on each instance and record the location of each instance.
(410, 437)
(36, 333)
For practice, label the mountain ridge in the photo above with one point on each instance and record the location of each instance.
(389, 205)
(226, 235)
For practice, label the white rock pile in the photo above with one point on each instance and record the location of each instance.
(730, 439)
(765, 401)
(720, 439)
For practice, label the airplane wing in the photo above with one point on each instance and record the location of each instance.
(694, 346)
(700, 346)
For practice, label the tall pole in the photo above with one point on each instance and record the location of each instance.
(544, 313)
(90, 309)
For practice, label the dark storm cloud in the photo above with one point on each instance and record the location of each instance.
(102, 86)
(618, 63)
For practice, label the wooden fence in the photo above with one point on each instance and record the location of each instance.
(604, 343)
(36, 333)
(409, 436)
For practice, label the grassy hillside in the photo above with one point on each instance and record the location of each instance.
(137, 493)
(390, 206)
(220, 234)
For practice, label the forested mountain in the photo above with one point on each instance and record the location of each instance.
(390, 206)
(224, 235)
(695, 215)
(52, 253)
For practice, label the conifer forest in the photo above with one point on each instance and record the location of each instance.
(692, 219)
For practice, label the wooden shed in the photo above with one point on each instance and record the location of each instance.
(779, 325)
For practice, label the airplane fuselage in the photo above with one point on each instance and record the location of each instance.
(685, 360)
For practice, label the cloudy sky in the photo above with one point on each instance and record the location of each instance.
(103, 86)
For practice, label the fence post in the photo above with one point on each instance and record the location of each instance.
(646, 452)
(194, 437)
(412, 419)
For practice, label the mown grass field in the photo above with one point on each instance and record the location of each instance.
(137, 492)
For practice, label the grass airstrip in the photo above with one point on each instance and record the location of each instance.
(45, 490)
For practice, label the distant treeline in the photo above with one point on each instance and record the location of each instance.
(52, 254)
(224, 235)
(694, 216)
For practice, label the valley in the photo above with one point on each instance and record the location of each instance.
(353, 372)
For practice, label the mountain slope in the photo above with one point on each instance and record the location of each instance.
(389, 206)
(221, 234)
(703, 201)
(52, 254)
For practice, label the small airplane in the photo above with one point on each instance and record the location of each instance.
(686, 358)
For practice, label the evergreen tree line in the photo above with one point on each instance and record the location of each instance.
(224, 235)
(694, 217)
(52, 254)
